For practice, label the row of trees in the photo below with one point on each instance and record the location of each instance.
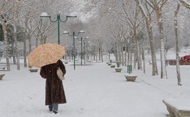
(133, 26)
(130, 24)
(20, 21)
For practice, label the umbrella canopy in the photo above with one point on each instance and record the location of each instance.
(46, 54)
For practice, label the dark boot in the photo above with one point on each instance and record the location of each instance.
(55, 108)
(50, 107)
(55, 112)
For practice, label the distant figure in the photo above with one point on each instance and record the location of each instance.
(54, 88)
(181, 60)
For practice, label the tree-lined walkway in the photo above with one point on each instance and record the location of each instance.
(91, 91)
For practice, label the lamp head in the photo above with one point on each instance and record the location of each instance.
(44, 15)
(76, 37)
(82, 31)
(65, 32)
(72, 15)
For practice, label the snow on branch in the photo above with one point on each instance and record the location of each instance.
(185, 3)
(142, 9)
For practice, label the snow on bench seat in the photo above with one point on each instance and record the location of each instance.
(178, 107)
(2, 67)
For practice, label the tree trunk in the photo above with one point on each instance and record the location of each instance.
(29, 43)
(137, 49)
(130, 52)
(101, 54)
(155, 63)
(143, 58)
(122, 54)
(6, 44)
(108, 56)
(97, 56)
(177, 46)
(161, 35)
(95, 53)
(153, 56)
(166, 74)
(125, 53)
(115, 52)
(45, 40)
(135, 58)
(37, 41)
(13, 50)
(41, 39)
(25, 63)
(16, 48)
(119, 52)
(70, 54)
(128, 57)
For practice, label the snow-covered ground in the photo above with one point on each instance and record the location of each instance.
(95, 90)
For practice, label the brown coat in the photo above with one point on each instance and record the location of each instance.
(54, 87)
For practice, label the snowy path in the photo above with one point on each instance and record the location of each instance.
(91, 91)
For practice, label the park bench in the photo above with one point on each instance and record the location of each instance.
(112, 66)
(2, 67)
(177, 107)
(1, 76)
(33, 70)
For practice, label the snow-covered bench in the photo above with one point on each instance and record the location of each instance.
(178, 107)
(2, 67)
(1, 76)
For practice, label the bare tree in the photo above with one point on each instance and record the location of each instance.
(147, 16)
(5, 7)
(134, 22)
(157, 7)
(177, 45)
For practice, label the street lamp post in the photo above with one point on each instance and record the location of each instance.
(45, 15)
(84, 52)
(81, 51)
(74, 37)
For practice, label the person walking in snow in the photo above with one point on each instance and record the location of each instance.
(54, 88)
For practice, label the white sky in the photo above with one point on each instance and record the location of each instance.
(84, 17)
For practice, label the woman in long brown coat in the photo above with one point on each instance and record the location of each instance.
(54, 88)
